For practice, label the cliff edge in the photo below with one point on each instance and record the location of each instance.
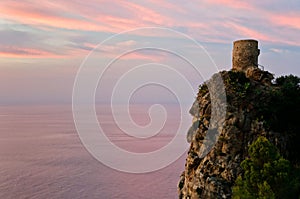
(256, 105)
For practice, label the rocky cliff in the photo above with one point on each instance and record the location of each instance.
(217, 150)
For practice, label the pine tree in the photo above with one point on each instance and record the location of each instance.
(267, 175)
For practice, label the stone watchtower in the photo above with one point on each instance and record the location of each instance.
(245, 54)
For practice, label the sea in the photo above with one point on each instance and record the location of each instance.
(42, 156)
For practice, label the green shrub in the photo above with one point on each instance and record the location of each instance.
(282, 113)
(238, 81)
(266, 175)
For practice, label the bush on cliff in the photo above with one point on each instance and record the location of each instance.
(281, 113)
(267, 175)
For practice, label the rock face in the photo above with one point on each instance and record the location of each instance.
(212, 174)
(231, 110)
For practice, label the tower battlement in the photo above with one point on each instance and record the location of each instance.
(245, 54)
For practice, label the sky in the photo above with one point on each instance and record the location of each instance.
(43, 44)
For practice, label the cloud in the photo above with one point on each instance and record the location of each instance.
(218, 21)
(128, 43)
(276, 50)
(11, 37)
(41, 15)
(25, 44)
(82, 16)
(289, 20)
(141, 55)
(146, 15)
(243, 31)
(21, 52)
(82, 46)
(232, 4)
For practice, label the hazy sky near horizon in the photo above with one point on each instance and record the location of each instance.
(43, 43)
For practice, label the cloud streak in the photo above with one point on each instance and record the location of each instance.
(19, 52)
(290, 20)
(218, 21)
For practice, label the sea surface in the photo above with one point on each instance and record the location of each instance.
(41, 156)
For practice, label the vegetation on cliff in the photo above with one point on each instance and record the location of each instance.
(282, 114)
(267, 175)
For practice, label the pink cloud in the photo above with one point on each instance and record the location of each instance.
(291, 20)
(232, 4)
(246, 32)
(117, 24)
(145, 14)
(124, 51)
(142, 56)
(115, 16)
(47, 20)
(47, 16)
(90, 45)
(27, 52)
(81, 16)
(177, 8)
(18, 52)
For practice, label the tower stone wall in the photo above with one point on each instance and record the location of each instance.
(245, 54)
